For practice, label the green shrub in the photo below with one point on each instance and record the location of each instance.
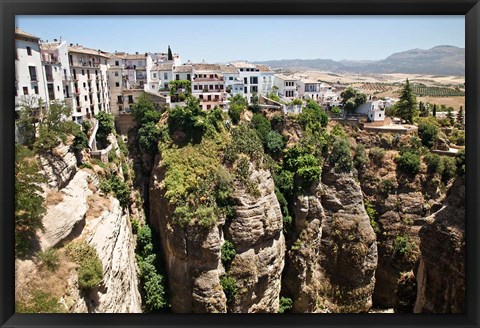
(304, 166)
(449, 168)
(135, 226)
(81, 141)
(340, 157)
(284, 180)
(286, 304)
(377, 155)
(229, 285)
(29, 208)
(360, 158)
(262, 126)
(40, 302)
(106, 125)
(244, 141)
(387, 186)
(90, 273)
(287, 218)
(372, 215)
(460, 162)
(148, 137)
(409, 163)
(227, 252)
(119, 187)
(402, 246)
(428, 131)
(313, 115)
(434, 163)
(274, 142)
(49, 258)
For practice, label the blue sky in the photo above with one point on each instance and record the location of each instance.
(221, 39)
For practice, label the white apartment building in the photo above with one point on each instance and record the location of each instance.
(286, 85)
(165, 73)
(90, 83)
(309, 88)
(208, 85)
(267, 79)
(250, 75)
(233, 82)
(375, 110)
(30, 80)
(55, 63)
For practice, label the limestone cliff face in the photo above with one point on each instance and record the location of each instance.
(256, 233)
(192, 255)
(441, 272)
(331, 264)
(110, 234)
(58, 167)
(61, 219)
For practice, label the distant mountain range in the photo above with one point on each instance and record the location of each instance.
(440, 60)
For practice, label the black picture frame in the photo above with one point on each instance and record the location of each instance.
(10, 8)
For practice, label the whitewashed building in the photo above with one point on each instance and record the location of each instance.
(88, 68)
(286, 86)
(309, 88)
(375, 110)
(208, 85)
(233, 82)
(30, 80)
(250, 75)
(267, 79)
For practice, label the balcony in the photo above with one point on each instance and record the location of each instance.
(77, 91)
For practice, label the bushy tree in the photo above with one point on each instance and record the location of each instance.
(461, 119)
(428, 131)
(352, 98)
(460, 162)
(55, 126)
(227, 252)
(340, 157)
(148, 136)
(28, 119)
(29, 209)
(274, 142)
(313, 116)
(409, 162)
(106, 125)
(236, 107)
(406, 107)
(144, 111)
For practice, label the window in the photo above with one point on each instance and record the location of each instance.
(120, 99)
(230, 78)
(117, 84)
(83, 72)
(116, 73)
(35, 88)
(165, 76)
(58, 88)
(154, 75)
(245, 80)
(25, 91)
(177, 77)
(117, 63)
(130, 99)
(195, 87)
(211, 87)
(253, 88)
(84, 85)
(253, 80)
(86, 98)
(29, 51)
(33, 73)
(188, 77)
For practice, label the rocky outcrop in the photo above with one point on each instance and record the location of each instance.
(331, 264)
(192, 255)
(256, 233)
(61, 219)
(110, 234)
(59, 166)
(441, 272)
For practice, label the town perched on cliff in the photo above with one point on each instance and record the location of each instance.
(148, 184)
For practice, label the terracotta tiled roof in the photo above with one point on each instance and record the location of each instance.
(88, 51)
(243, 65)
(263, 68)
(229, 69)
(19, 32)
(163, 67)
(183, 69)
(49, 46)
(206, 67)
(133, 56)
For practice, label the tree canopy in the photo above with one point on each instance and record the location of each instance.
(406, 108)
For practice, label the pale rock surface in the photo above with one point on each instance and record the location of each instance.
(441, 272)
(59, 166)
(110, 235)
(61, 219)
(256, 233)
